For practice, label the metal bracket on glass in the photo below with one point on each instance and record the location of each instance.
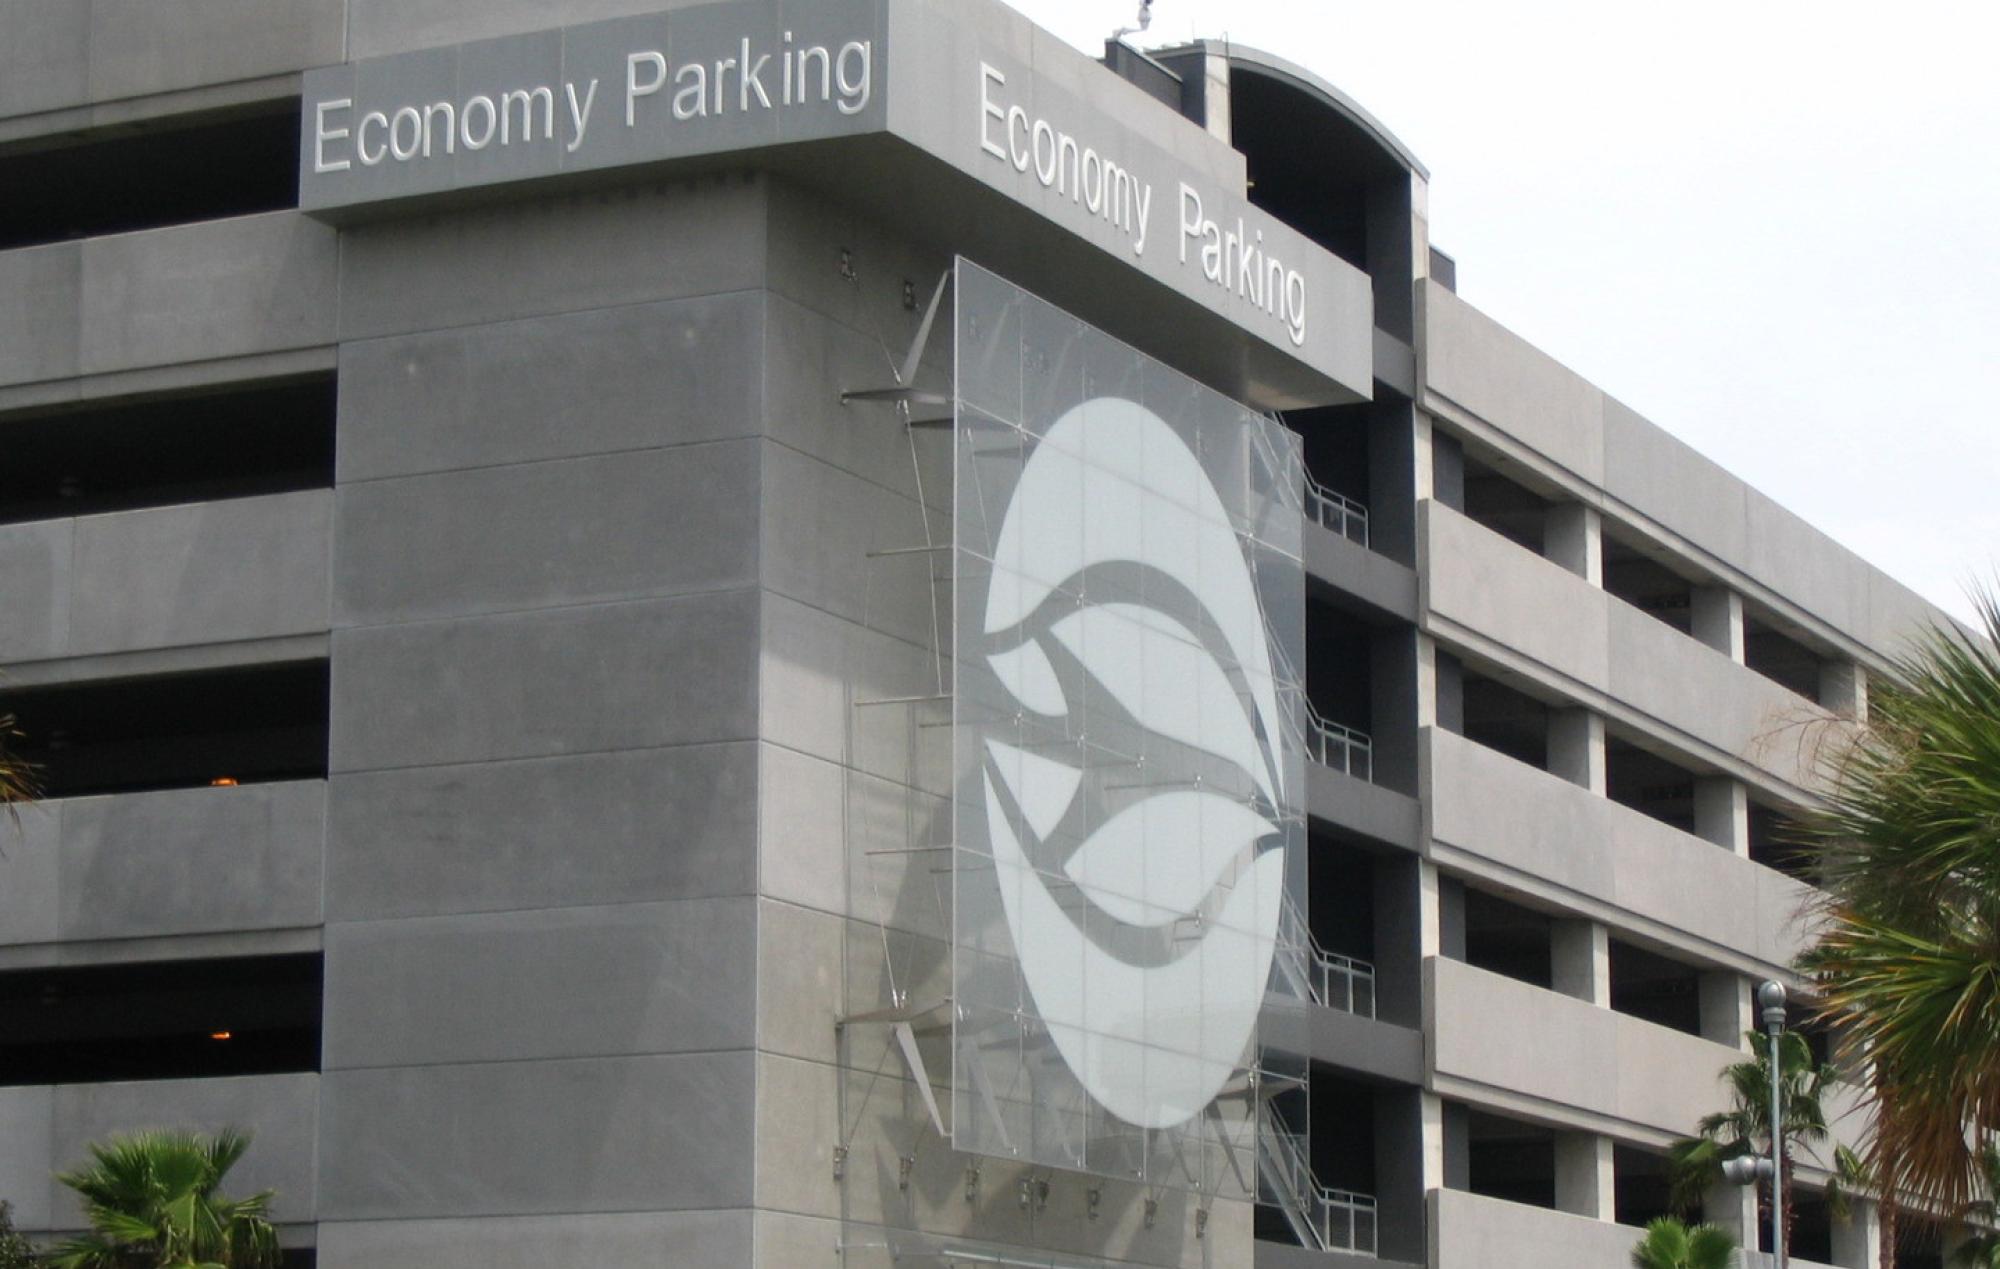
(905, 394)
(903, 1022)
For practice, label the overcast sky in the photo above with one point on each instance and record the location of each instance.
(1770, 226)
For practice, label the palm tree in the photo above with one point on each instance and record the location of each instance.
(1908, 958)
(152, 1204)
(15, 1253)
(1981, 1248)
(1695, 1163)
(17, 774)
(1669, 1244)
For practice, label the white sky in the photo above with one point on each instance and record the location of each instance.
(1770, 226)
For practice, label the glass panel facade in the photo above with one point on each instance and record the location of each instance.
(1128, 800)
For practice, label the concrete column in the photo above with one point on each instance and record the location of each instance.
(1423, 463)
(1585, 1179)
(1576, 747)
(1580, 961)
(1715, 615)
(1843, 689)
(1427, 681)
(1573, 536)
(1399, 922)
(1430, 911)
(1401, 1177)
(1857, 1241)
(1448, 693)
(1451, 918)
(1447, 470)
(1734, 1208)
(1392, 481)
(1454, 1144)
(1726, 1007)
(1722, 813)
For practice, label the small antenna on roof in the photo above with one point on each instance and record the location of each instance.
(1145, 21)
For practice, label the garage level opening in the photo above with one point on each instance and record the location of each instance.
(234, 726)
(257, 1015)
(164, 174)
(234, 442)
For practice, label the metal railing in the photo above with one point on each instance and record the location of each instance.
(1335, 511)
(1321, 1217)
(1346, 983)
(1342, 748)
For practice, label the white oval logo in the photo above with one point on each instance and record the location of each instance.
(1144, 907)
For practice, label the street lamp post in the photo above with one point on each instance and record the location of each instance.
(1744, 1170)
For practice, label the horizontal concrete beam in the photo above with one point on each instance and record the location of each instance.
(150, 865)
(1357, 579)
(62, 56)
(199, 573)
(1369, 810)
(1495, 817)
(1346, 1041)
(44, 1129)
(198, 292)
(1506, 605)
(1495, 386)
(1520, 1049)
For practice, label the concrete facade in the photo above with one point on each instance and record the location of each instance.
(604, 848)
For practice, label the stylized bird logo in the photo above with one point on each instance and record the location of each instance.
(1133, 812)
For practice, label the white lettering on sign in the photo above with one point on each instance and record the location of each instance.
(843, 78)
(755, 80)
(1234, 259)
(1062, 163)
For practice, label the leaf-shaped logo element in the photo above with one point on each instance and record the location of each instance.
(1112, 485)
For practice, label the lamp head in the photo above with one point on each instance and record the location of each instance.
(1746, 1169)
(1771, 999)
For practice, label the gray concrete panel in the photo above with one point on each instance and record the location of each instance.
(1471, 1231)
(280, 1112)
(526, 1138)
(799, 980)
(142, 46)
(1379, 814)
(1496, 375)
(599, 828)
(209, 572)
(1805, 566)
(552, 255)
(27, 1126)
(632, 978)
(1486, 583)
(638, 1240)
(801, 830)
(41, 314)
(820, 528)
(30, 868)
(390, 26)
(1701, 692)
(551, 387)
(1490, 1043)
(816, 665)
(539, 535)
(215, 289)
(45, 59)
(1344, 1041)
(1566, 839)
(809, 359)
(1270, 1255)
(188, 861)
(1364, 579)
(1664, 478)
(660, 672)
(34, 571)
